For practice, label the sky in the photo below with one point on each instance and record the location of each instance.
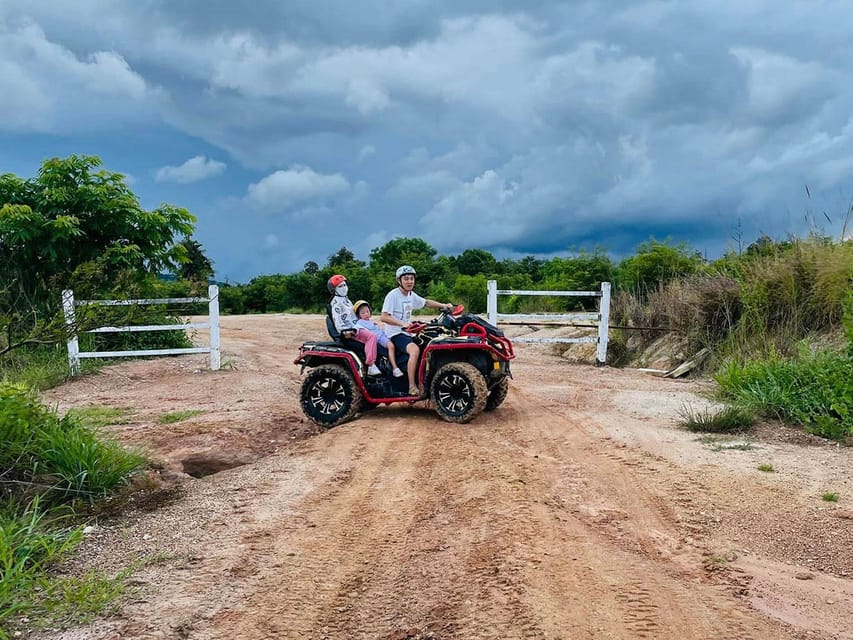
(292, 129)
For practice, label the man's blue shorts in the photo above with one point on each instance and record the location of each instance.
(401, 341)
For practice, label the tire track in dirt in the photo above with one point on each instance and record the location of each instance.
(517, 526)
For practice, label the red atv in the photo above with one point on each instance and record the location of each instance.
(463, 369)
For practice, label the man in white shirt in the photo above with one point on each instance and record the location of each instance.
(397, 315)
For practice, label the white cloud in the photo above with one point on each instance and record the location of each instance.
(780, 83)
(297, 185)
(366, 151)
(47, 88)
(193, 170)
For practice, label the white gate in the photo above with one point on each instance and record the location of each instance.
(602, 316)
(74, 353)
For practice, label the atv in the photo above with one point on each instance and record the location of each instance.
(463, 369)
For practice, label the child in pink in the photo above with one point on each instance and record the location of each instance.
(362, 310)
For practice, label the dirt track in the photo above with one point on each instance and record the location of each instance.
(576, 510)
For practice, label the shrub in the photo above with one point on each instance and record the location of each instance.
(812, 389)
(60, 454)
(728, 419)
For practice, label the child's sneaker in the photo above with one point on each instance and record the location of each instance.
(373, 370)
(397, 373)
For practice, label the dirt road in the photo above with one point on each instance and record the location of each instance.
(578, 509)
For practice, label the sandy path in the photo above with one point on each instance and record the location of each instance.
(576, 510)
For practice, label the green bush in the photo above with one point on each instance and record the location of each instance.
(726, 420)
(812, 389)
(61, 454)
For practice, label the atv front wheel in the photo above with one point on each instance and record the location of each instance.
(498, 394)
(330, 395)
(459, 392)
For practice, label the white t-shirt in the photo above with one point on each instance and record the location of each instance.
(400, 306)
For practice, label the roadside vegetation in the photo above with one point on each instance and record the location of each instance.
(51, 468)
(86, 231)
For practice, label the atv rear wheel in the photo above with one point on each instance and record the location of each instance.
(459, 392)
(498, 394)
(330, 395)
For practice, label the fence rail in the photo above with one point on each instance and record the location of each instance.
(69, 304)
(602, 316)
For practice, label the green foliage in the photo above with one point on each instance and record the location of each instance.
(96, 417)
(29, 544)
(766, 468)
(196, 266)
(40, 366)
(813, 389)
(472, 262)
(829, 497)
(60, 455)
(76, 226)
(177, 416)
(726, 420)
(32, 540)
(470, 291)
(656, 263)
(48, 460)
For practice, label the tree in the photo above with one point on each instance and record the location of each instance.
(76, 225)
(472, 262)
(655, 263)
(343, 259)
(197, 267)
(384, 261)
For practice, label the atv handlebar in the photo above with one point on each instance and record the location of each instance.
(417, 326)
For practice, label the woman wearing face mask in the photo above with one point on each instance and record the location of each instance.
(345, 321)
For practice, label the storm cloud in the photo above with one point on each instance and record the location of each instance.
(535, 127)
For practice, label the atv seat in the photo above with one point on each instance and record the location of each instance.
(358, 347)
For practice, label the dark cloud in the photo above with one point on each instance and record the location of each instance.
(540, 125)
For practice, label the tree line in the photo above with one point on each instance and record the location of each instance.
(461, 278)
(77, 225)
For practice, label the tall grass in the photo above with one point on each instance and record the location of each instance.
(29, 543)
(46, 462)
(757, 304)
(814, 390)
(62, 456)
(40, 366)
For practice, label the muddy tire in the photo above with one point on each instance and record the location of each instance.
(330, 395)
(497, 395)
(459, 392)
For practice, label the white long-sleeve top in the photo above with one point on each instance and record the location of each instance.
(342, 314)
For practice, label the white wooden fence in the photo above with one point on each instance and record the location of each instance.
(74, 353)
(602, 316)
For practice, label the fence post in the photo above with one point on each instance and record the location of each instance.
(71, 329)
(213, 312)
(492, 302)
(603, 322)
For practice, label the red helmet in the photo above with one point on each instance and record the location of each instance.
(335, 281)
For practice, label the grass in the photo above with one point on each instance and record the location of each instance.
(177, 416)
(829, 497)
(814, 390)
(766, 468)
(40, 366)
(95, 417)
(717, 443)
(51, 463)
(729, 419)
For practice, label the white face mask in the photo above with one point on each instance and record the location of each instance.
(342, 289)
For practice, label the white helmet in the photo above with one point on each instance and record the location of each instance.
(405, 270)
